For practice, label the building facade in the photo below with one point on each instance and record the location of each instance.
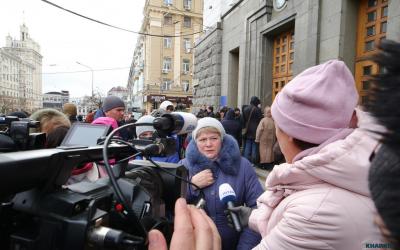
(162, 67)
(55, 100)
(266, 43)
(20, 74)
(119, 91)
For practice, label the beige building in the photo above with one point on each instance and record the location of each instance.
(162, 67)
(20, 74)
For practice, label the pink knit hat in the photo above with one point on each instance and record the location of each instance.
(316, 104)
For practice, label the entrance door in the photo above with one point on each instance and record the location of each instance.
(372, 23)
(282, 60)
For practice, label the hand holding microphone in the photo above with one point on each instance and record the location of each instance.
(228, 196)
(243, 213)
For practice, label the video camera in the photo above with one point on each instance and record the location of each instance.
(39, 212)
(14, 134)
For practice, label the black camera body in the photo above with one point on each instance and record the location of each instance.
(16, 136)
(38, 212)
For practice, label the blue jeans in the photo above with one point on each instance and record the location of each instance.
(250, 150)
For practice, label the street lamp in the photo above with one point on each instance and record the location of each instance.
(90, 70)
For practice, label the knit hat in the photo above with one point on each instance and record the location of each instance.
(208, 122)
(142, 129)
(112, 102)
(165, 104)
(317, 104)
(70, 109)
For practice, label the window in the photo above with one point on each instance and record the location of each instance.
(383, 27)
(367, 70)
(187, 22)
(167, 19)
(187, 44)
(185, 66)
(371, 16)
(365, 85)
(167, 42)
(166, 85)
(168, 2)
(167, 64)
(187, 4)
(185, 86)
(371, 30)
(370, 45)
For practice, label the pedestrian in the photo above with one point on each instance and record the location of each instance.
(167, 106)
(251, 118)
(70, 110)
(210, 111)
(148, 132)
(265, 137)
(89, 117)
(49, 120)
(114, 107)
(232, 126)
(319, 199)
(213, 158)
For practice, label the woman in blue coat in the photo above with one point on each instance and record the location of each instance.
(213, 158)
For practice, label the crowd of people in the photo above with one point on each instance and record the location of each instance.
(333, 164)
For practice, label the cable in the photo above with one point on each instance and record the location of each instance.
(119, 195)
(180, 178)
(67, 72)
(115, 27)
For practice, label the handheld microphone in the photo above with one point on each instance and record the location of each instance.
(228, 196)
(176, 123)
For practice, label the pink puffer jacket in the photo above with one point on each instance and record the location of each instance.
(321, 201)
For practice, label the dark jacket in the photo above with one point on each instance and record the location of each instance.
(232, 126)
(235, 170)
(255, 118)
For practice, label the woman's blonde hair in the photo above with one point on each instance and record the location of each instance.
(50, 119)
(208, 129)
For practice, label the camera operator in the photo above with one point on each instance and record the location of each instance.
(147, 132)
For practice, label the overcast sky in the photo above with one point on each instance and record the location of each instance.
(65, 38)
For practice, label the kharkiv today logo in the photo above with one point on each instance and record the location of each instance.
(377, 245)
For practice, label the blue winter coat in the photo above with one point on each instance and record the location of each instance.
(235, 170)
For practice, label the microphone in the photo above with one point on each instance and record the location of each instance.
(161, 146)
(176, 123)
(228, 196)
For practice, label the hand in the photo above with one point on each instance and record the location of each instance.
(203, 179)
(193, 230)
(242, 212)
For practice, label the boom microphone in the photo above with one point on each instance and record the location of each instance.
(176, 123)
(228, 196)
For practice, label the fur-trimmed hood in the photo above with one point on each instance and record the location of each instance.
(228, 161)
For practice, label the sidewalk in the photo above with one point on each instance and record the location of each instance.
(262, 175)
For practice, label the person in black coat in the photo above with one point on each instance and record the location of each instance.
(252, 116)
(232, 126)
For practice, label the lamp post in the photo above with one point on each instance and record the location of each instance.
(90, 70)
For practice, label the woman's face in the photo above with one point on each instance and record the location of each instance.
(209, 144)
(288, 147)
